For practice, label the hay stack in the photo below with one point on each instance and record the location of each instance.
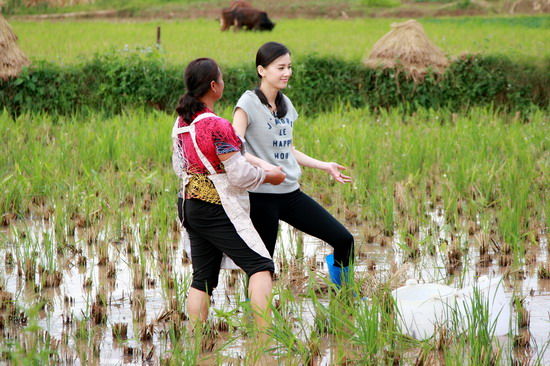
(407, 45)
(12, 59)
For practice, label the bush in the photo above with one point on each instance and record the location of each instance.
(115, 81)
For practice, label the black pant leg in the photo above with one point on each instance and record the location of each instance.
(264, 213)
(206, 260)
(308, 216)
(213, 234)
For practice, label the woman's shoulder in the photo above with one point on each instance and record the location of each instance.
(222, 130)
(219, 122)
(248, 97)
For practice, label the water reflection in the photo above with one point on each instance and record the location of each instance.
(132, 284)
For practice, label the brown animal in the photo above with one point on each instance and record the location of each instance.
(242, 15)
(252, 19)
(228, 17)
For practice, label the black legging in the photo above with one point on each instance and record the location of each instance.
(302, 212)
(212, 234)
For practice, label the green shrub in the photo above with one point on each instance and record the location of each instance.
(46, 87)
(116, 81)
(131, 79)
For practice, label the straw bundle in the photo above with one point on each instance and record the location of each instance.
(12, 58)
(408, 46)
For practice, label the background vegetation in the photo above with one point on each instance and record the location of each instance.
(519, 38)
(117, 81)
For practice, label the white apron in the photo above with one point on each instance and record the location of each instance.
(235, 201)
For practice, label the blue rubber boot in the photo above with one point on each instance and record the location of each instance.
(337, 274)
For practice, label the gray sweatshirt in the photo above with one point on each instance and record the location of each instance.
(270, 139)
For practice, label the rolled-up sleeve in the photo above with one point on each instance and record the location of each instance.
(242, 174)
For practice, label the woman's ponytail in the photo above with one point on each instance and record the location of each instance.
(188, 106)
(197, 77)
(280, 103)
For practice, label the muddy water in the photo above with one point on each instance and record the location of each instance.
(81, 285)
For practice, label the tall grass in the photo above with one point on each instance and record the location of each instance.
(481, 162)
(107, 186)
(491, 163)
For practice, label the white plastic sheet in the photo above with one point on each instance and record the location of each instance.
(424, 307)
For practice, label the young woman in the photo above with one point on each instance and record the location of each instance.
(265, 118)
(208, 157)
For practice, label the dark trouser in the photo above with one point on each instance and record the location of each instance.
(212, 234)
(301, 211)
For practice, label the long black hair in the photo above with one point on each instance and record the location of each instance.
(197, 77)
(268, 53)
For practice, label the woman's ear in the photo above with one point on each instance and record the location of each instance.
(213, 85)
(261, 70)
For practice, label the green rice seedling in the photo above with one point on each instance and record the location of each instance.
(321, 320)
(367, 334)
(102, 253)
(50, 253)
(98, 313)
(522, 314)
(226, 320)
(543, 271)
(60, 226)
(120, 331)
(27, 255)
(82, 330)
(138, 277)
(539, 358)
(86, 348)
(288, 343)
(27, 343)
(408, 245)
(185, 346)
(138, 305)
(181, 288)
(472, 324)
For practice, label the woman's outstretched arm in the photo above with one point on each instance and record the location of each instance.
(332, 168)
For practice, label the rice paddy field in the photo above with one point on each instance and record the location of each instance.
(92, 266)
(68, 41)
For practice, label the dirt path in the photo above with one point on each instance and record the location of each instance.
(306, 9)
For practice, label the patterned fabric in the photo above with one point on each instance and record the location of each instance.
(201, 187)
(215, 136)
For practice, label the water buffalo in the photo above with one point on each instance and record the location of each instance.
(228, 16)
(252, 19)
(242, 15)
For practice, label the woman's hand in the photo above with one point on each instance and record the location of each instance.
(334, 169)
(274, 175)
